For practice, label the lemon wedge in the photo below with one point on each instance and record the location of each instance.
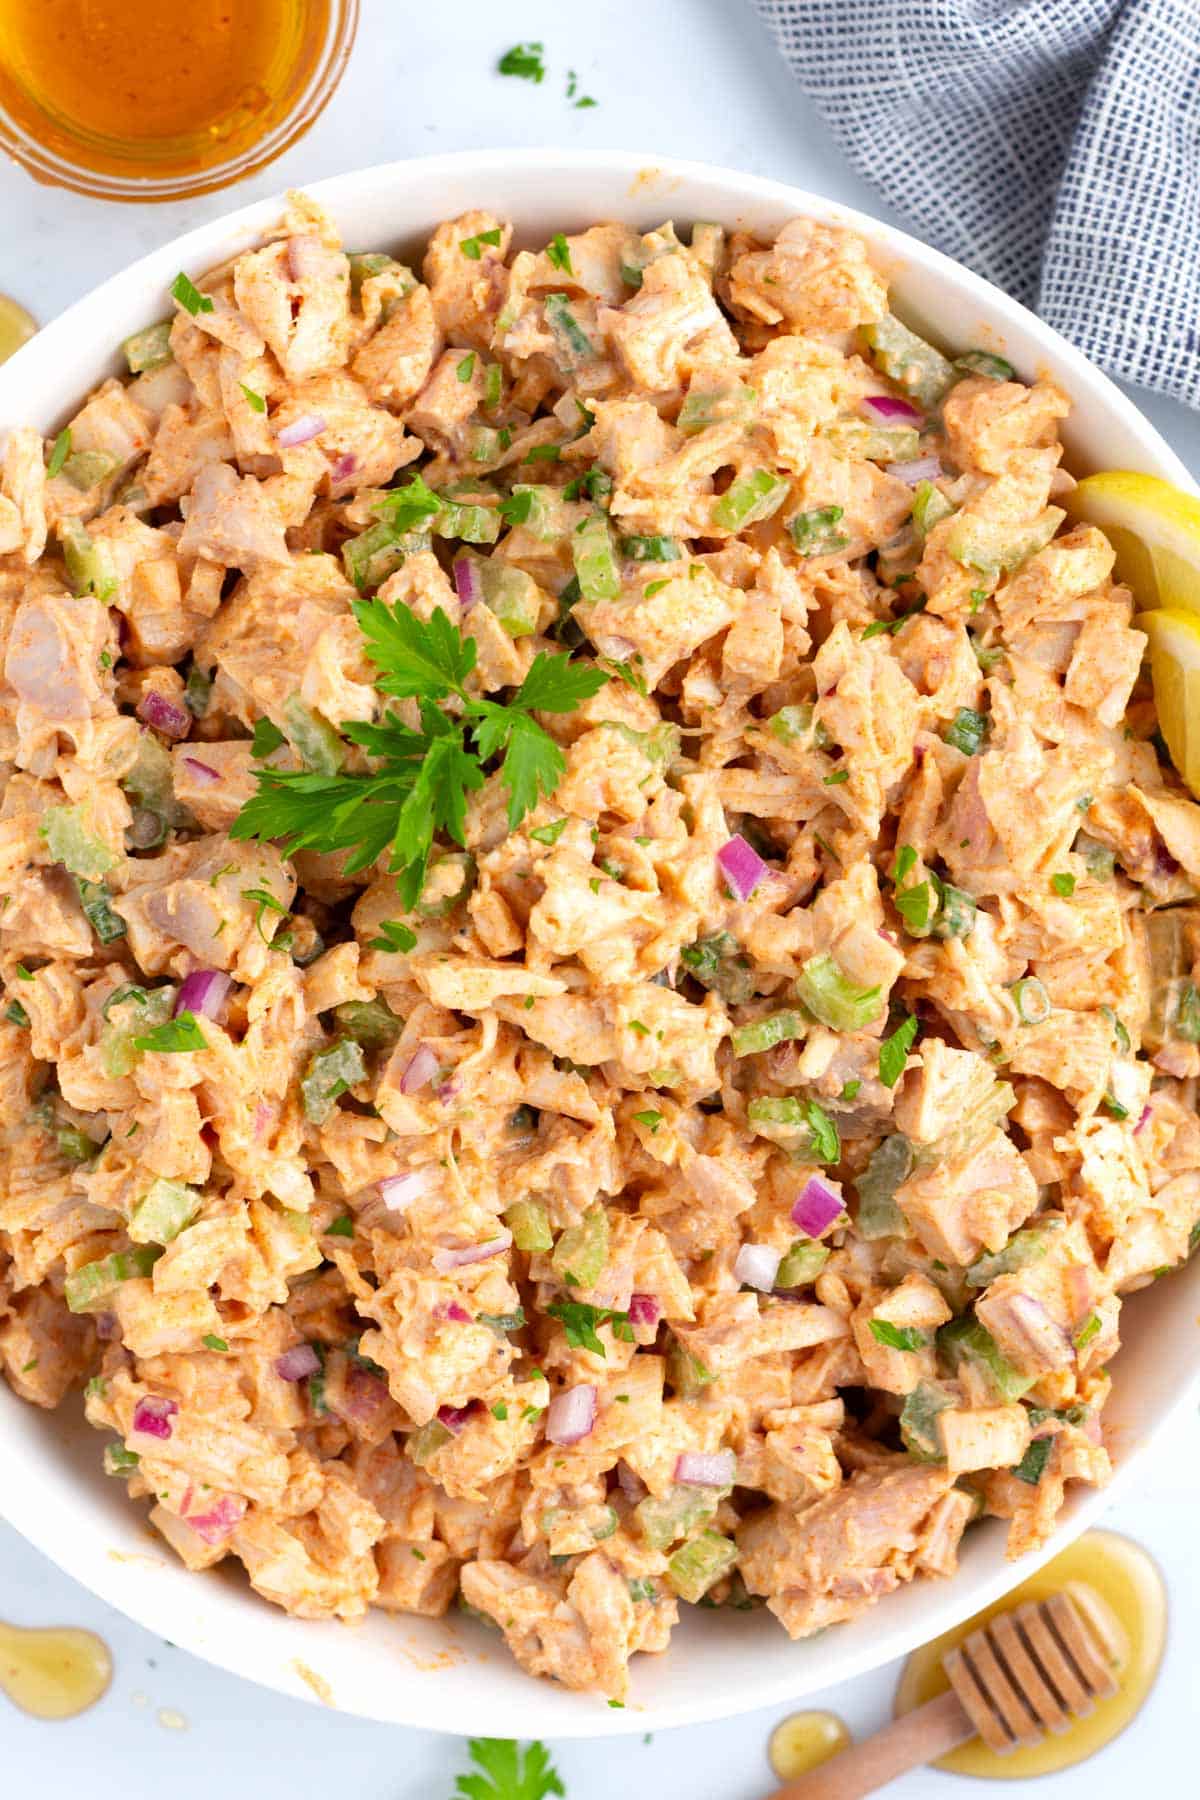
(1154, 529)
(1175, 666)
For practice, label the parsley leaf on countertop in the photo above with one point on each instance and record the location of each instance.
(509, 1774)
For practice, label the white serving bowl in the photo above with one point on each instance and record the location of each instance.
(449, 1675)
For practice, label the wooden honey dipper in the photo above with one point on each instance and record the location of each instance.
(1026, 1672)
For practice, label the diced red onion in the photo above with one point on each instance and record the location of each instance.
(631, 1485)
(204, 991)
(106, 1326)
(344, 467)
(300, 431)
(446, 1090)
(816, 1209)
(202, 771)
(696, 1469)
(152, 1416)
(617, 649)
(362, 1395)
(467, 584)
(221, 1519)
(298, 1363)
(455, 1417)
(921, 468)
(1142, 1122)
(1045, 1337)
(167, 716)
(890, 406)
(757, 1266)
(742, 867)
(399, 1191)
(445, 1260)
(644, 1309)
(452, 1310)
(264, 1117)
(572, 1415)
(420, 1072)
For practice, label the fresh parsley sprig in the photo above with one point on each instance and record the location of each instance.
(509, 1773)
(420, 779)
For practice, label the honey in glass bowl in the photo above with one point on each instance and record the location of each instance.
(156, 99)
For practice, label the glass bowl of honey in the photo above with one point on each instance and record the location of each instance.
(141, 100)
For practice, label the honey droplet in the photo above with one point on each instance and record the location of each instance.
(805, 1740)
(53, 1673)
(1119, 1584)
(16, 326)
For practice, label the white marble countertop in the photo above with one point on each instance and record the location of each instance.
(694, 78)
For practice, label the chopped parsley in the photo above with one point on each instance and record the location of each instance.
(581, 1323)
(559, 252)
(524, 61)
(178, 1034)
(508, 1772)
(472, 247)
(59, 452)
(1063, 884)
(650, 1119)
(394, 938)
(267, 737)
(212, 1342)
(254, 401)
(343, 1227)
(1032, 1465)
(466, 368)
(893, 1051)
(189, 296)
(897, 1337)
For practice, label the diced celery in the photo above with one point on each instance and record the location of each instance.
(659, 746)
(801, 1264)
(149, 786)
(891, 1163)
(783, 1117)
(995, 547)
(987, 1103)
(966, 1341)
(512, 595)
(373, 555)
(1186, 1022)
(595, 562)
(582, 1250)
(918, 1420)
(129, 1015)
(86, 469)
(718, 963)
(651, 549)
(470, 524)
(733, 403)
(685, 1372)
(833, 999)
(968, 730)
(163, 1212)
(1024, 1247)
(701, 1564)
(71, 842)
(312, 737)
(120, 1461)
(94, 898)
(150, 348)
(488, 444)
(929, 506)
(371, 1023)
(874, 443)
(908, 360)
(764, 1034)
(791, 723)
(425, 1442)
(750, 499)
(74, 1144)
(1098, 859)
(89, 566)
(329, 1074)
(88, 1288)
(816, 533)
(572, 341)
(983, 362)
(663, 1519)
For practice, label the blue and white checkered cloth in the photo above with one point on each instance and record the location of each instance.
(1052, 145)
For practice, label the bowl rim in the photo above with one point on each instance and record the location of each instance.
(79, 1554)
